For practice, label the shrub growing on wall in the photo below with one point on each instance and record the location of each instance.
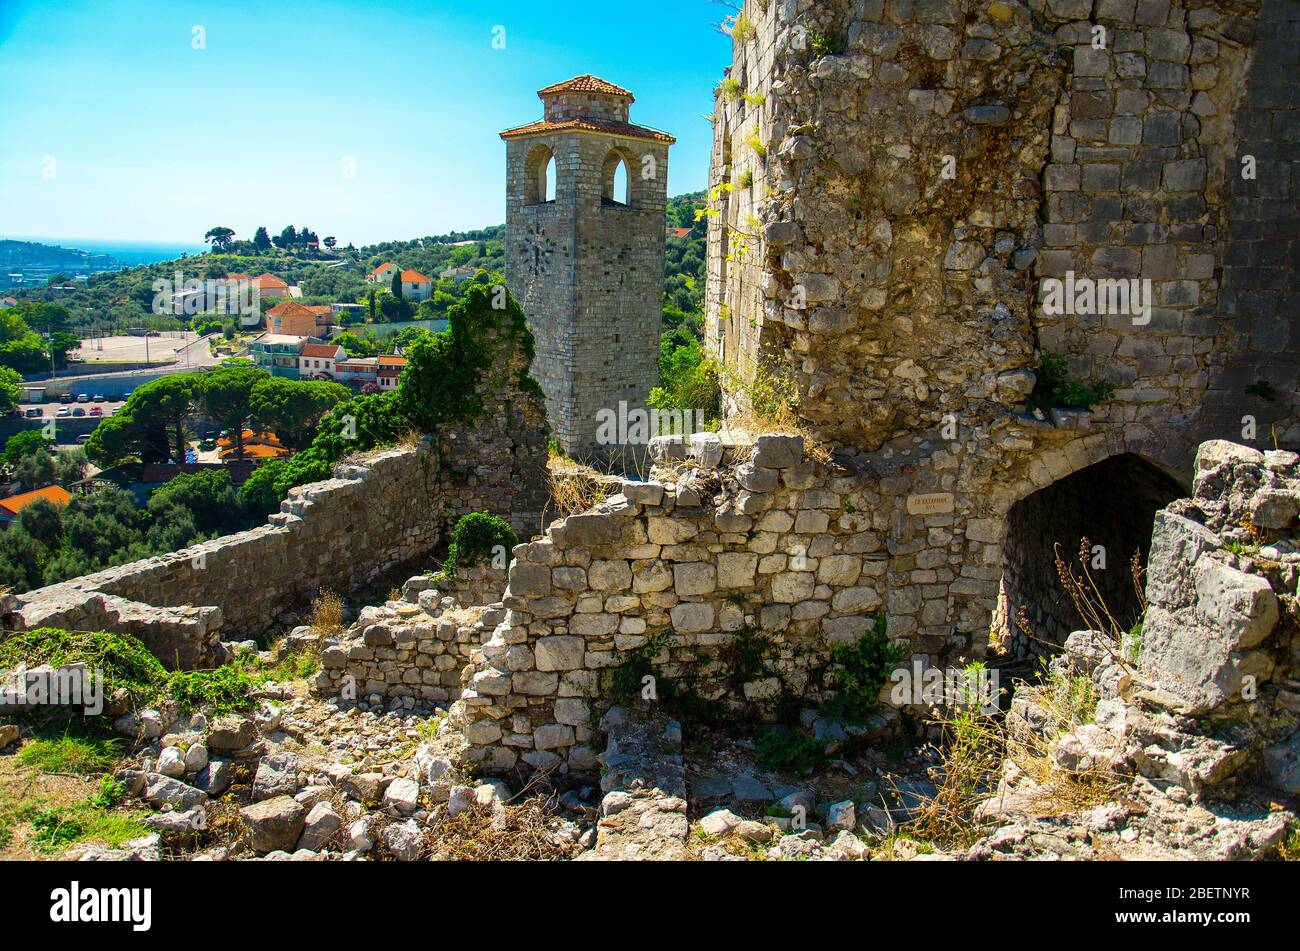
(476, 538)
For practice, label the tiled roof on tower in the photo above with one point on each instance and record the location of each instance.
(587, 83)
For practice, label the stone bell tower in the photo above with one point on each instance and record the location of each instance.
(585, 257)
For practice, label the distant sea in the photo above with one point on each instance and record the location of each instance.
(128, 252)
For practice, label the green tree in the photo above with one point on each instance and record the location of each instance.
(25, 443)
(209, 497)
(70, 466)
(227, 397)
(42, 520)
(261, 240)
(20, 560)
(292, 409)
(10, 389)
(220, 237)
(61, 341)
(35, 471)
(395, 285)
(169, 402)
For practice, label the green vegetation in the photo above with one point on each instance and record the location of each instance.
(742, 28)
(1132, 647)
(57, 829)
(788, 751)
(439, 384)
(1263, 389)
(120, 659)
(475, 538)
(47, 544)
(227, 688)
(858, 672)
(687, 378)
(126, 665)
(82, 753)
(1055, 387)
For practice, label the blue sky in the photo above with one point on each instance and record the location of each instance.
(154, 140)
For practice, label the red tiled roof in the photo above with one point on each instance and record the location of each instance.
(270, 280)
(381, 267)
(587, 83)
(328, 351)
(293, 307)
(391, 360)
(411, 274)
(55, 494)
(677, 232)
(589, 125)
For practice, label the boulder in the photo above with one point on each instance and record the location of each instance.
(404, 840)
(319, 827)
(277, 775)
(229, 734)
(274, 824)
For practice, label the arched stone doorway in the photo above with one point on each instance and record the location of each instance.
(1112, 504)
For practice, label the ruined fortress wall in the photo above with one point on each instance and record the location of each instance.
(385, 510)
(896, 295)
(894, 181)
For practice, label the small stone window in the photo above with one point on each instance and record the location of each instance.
(616, 179)
(539, 176)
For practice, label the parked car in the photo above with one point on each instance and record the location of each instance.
(83, 438)
(83, 397)
(63, 412)
(96, 411)
(65, 397)
(115, 398)
(78, 411)
(33, 412)
(98, 397)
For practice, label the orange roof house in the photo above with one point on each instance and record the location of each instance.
(56, 495)
(383, 272)
(298, 320)
(271, 285)
(411, 274)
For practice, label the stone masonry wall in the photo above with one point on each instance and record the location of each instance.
(904, 173)
(898, 178)
(780, 546)
(588, 273)
(385, 510)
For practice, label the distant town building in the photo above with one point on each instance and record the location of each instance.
(355, 312)
(7, 302)
(459, 274)
(302, 320)
(56, 495)
(379, 373)
(316, 360)
(415, 286)
(279, 354)
(382, 274)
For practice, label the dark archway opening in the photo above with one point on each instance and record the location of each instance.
(1110, 503)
